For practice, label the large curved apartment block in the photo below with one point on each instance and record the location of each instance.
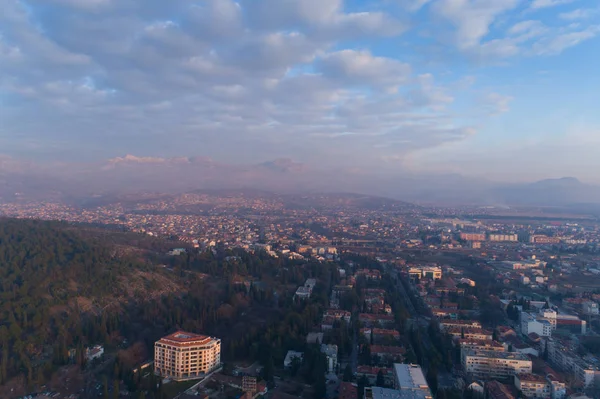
(184, 356)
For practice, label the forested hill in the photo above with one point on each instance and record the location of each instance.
(64, 288)
(48, 272)
(43, 262)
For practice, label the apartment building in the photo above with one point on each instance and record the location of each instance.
(532, 386)
(468, 345)
(445, 324)
(410, 378)
(587, 373)
(470, 333)
(430, 272)
(537, 386)
(498, 365)
(504, 237)
(182, 356)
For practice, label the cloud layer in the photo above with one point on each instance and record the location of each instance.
(314, 80)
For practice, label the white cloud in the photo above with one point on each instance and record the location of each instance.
(471, 18)
(579, 14)
(360, 68)
(555, 44)
(537, 4)
(257, 77)
(496, 103)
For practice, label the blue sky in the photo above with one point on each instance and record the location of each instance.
(503, 89)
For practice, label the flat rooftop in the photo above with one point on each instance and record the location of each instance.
(497, 355)
(410, 376)
(385, 393)
(182, 338)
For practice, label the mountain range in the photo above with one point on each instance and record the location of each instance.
(131, 174)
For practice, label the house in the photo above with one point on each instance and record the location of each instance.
(290, 356)
(388, 354)
(371, 374)
(303, 292)
(497, 390)
(314, 338)
(331, 353)
(348, 390)
(476, 387)
(94, 352)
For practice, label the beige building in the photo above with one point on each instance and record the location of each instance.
(182, 356)
(495, 365)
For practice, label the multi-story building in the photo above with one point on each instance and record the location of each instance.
(537, 386)
(445, 324)
(472, 236)
(181, 355)
(490, 364)
(410, 377)
(371, 374)
(338, 314)
(590, 307)
(469, 333)
(386, 393)
(530, 324)
(532, 386)
(567, 360)
(430, 272)
(467, 345)
(387, 354)
(542, 239)
(504, 237)
(330, 352)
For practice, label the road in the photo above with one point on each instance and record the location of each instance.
(354, 354)
(417, 320)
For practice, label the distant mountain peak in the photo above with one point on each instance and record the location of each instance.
(559, 182)
(283, 165)
(135, 160)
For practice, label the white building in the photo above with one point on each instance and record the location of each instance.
(94, 352)
(303, 292)
(590, 307)
(489, 364)
(311, 283)
(533, 386)
(430, 272)
(530, 324)
(410, 378)
(182, 356)
(386, 393)
(290, 356)
(331, 352)
(504, 237)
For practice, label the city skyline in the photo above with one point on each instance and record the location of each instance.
(479, 88)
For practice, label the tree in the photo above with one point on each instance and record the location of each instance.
(106, 388)
(363, 381)
(380, 379)
(348, 376)
(432, 378)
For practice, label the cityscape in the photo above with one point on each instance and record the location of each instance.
(299, 199)
(411, 301)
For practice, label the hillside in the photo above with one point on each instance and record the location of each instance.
(64, 288)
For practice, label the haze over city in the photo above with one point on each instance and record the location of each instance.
(385, 90)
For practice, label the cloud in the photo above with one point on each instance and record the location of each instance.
(360, 68)
(537, 4)
(313, 80)
(496, 103)
(557, 43)
(579, 14)
(471, 18)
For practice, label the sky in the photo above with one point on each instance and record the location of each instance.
(502, 89)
